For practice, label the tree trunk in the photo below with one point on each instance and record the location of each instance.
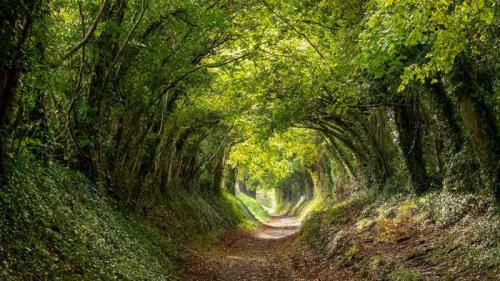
(410, 141)
(308, 186)
(230, 180)
(483, 135)
(19, 18)
(377, 136)
(447, 113)
(218, 173)
(242, 187)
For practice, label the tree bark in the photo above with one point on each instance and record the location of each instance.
(447, 113)
(483, 134)
(308, 186)
(230, 180)
(242, 187)
(13, 36)
(410, 141)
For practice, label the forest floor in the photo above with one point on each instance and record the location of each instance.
(393, 240)
(264, 254)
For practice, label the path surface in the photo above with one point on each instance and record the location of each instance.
(259, 255)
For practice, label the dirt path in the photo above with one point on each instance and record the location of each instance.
(260, 255)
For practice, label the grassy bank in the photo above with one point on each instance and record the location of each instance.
(439, 236)
(57, 225)
(255, 208)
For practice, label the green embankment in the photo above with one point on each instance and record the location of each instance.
(255, 208)
(439, 236)
(56, 225)
(301, 208)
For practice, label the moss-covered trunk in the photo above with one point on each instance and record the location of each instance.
(483, 134)
(230, 180)
(243, 188)
(410, 141)
(17, 20)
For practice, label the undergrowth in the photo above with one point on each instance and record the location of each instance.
(194, 218)
(55, 224)
(439, 236)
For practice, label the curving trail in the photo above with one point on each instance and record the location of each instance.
(260, 255)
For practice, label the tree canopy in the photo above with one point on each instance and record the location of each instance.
(158, 95)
